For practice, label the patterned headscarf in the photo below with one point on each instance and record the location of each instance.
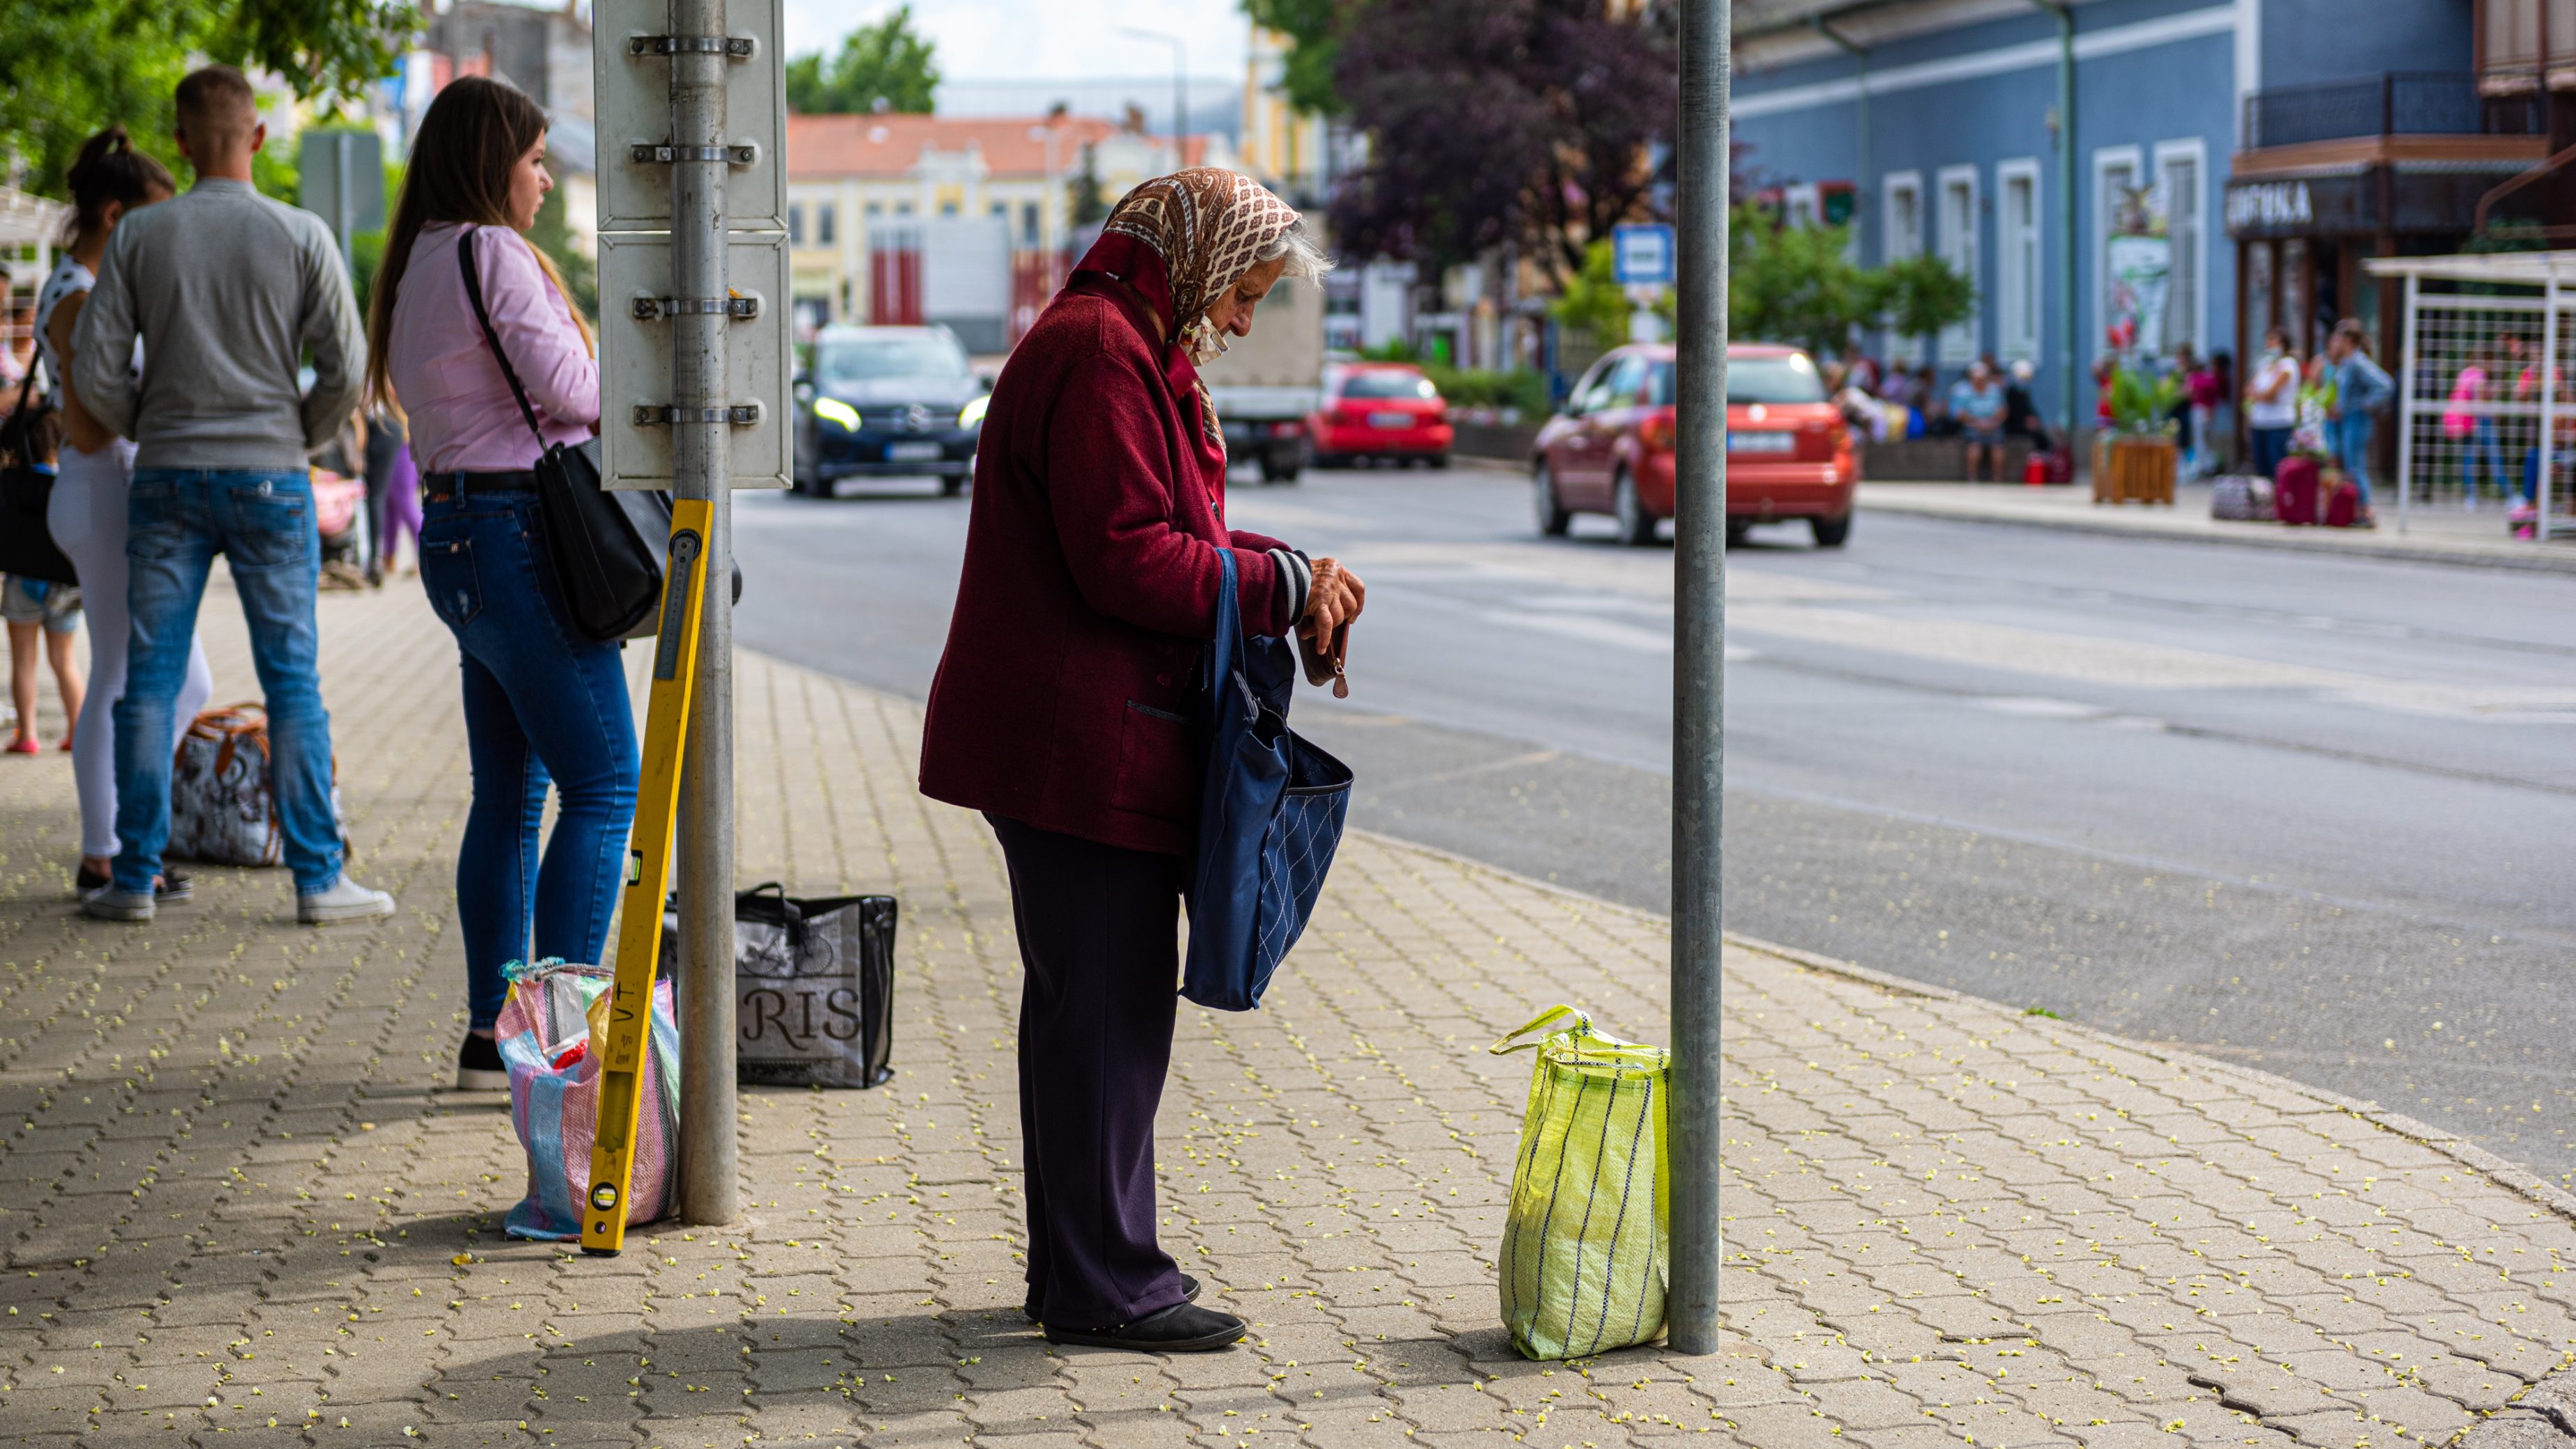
(1207, 224)
(1180, 241)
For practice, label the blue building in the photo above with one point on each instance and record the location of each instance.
(2269, 144)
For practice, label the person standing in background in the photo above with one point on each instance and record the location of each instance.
(544, 704)
(2361, 388)
(87, 512)
(36, 607)
(2272, 402)
(228, 292)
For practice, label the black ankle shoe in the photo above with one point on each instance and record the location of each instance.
(479, 1067)
(174, 886)
(1035, 1308)
(1181, 1328)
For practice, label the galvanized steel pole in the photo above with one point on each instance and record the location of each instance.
(1699, 678)
(700, 469)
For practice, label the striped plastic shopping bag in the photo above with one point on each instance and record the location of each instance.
(554, 1012)
(1585, 1260)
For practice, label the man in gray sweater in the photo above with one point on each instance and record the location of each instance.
(227, 291)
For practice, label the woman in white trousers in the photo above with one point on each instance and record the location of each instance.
(87, 513)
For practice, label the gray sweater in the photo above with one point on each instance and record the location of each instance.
(228, 290)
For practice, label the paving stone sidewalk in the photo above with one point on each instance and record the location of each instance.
(238, 1204)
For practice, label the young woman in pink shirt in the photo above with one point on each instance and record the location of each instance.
(543, 703)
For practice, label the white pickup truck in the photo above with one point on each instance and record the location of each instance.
(1267, 383)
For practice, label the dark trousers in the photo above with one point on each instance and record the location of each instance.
(1100, 963)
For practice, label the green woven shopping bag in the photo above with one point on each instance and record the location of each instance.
(1585, 1260)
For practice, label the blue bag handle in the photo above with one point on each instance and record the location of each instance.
(1228, 640)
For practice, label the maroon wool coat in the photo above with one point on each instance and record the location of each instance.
(1065, 694)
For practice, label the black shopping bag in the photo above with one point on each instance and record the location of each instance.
(813, 987)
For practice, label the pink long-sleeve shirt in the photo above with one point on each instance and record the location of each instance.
(463, 418)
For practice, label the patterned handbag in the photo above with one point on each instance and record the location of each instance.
(222, 808)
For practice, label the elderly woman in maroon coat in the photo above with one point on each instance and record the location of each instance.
(1064, 704)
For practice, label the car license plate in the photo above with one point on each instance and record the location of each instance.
(1390, 420)
(911, 452)
(1761, 443)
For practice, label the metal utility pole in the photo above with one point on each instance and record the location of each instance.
(700, 468)
(1180, 90)
(2066, 361)
(1699, 679)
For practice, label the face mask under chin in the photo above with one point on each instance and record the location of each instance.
(1206, 343)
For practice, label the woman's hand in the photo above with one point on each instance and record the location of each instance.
(1333, 600)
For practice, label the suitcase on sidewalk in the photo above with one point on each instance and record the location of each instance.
(2342, 502)
(2294, 491)
(2241, 499)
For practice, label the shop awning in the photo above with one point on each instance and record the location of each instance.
(2530, 269)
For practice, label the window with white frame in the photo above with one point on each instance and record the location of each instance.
(2181, 174)
(2117, 171)
(1958, 242)
(2017, 261)
(1801, 204)
(1900, 236)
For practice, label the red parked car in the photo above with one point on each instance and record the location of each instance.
(1788, 453)
(1379, 410)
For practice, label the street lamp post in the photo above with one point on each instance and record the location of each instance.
(1180, 89)
(1699, 678)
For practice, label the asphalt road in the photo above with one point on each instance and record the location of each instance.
(2308, 814)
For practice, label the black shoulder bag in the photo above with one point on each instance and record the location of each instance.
(606, 543)
(28, 437)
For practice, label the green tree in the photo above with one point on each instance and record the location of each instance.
(1595, 305)
(70, 68)
(887, 66)
(1083, 198)
(1794, 284)
(1922, 294)
(1313, 28)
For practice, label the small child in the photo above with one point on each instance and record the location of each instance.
(31, 607)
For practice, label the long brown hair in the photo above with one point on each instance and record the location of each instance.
(474, 132)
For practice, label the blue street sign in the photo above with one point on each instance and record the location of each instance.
(1642, 254)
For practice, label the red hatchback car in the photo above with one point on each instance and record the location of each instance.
(1379, 410)
(1788, 453)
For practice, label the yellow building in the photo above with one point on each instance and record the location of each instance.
(851, 178)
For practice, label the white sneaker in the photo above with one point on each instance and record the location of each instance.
(346, 900)
(111, 904)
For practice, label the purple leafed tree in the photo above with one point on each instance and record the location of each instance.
(1491, 121)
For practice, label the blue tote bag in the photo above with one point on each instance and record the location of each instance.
(1270, 816)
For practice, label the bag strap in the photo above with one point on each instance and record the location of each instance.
(1226, 640)
(1512, 1042)
(474, 294)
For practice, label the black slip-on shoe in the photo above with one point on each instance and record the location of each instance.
(175, 885)
(478, 1066)
(1035, 1308)
(1181, 1328)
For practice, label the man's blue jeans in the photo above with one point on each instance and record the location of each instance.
(2352, 449)
(542, 704)
(177, 520)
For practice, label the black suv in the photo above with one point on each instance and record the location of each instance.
(887, 402)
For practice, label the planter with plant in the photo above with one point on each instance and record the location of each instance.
(2135, 460)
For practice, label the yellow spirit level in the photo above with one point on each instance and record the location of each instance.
(648, 881)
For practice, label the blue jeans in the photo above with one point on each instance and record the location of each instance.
(542, 704)
(177, 520)
(2271, 445)
(2482, 447)
(2350, 438)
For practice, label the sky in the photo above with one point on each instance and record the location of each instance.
(1057, 39)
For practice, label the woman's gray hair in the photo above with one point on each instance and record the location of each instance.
(1305, 257)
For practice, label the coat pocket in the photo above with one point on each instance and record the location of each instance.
(1155, 755)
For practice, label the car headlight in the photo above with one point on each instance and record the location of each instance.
(973, 413)
(838, 411)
